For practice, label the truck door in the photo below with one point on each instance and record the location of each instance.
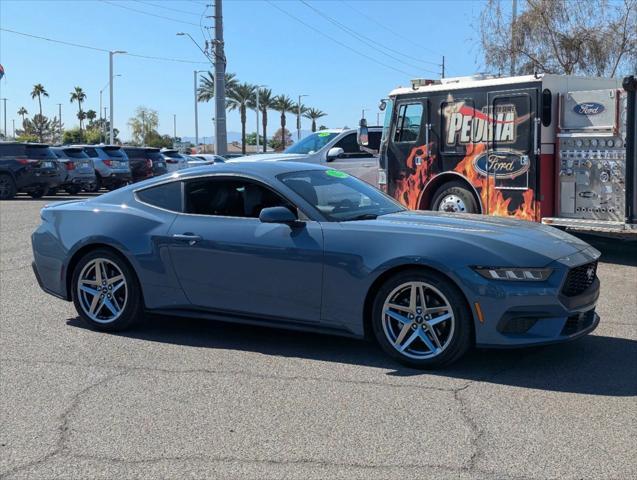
(406, 151)
(512, 159)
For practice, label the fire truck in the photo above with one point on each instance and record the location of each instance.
(548, 148)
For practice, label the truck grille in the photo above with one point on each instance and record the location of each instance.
(579, 279)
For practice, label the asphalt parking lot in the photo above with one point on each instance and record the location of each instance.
(184, 398)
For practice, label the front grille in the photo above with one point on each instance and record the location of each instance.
(578, 322)
(579, 279)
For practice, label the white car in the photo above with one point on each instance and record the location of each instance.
(335, 148)
(174, 160)
(209, 158)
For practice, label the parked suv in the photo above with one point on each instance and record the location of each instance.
(174, 159)
(27, 167)
(112, 169)
(337, 148)
(77, 167)
(145, 162)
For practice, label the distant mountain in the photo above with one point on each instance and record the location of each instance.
(236, 136)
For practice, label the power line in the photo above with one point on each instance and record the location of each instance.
(167, 8)
(97, 49)
(385, 27)
(147, 13)
(369, 41)
(320, 32)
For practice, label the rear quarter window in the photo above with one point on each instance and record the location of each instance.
(167, 196)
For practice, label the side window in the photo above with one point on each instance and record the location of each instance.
(167, 196)
(230, 198)
(349, 144)
(408, 122)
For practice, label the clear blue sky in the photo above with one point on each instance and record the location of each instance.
(263, 45)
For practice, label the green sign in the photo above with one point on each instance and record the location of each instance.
(337, 174)
(323, 134)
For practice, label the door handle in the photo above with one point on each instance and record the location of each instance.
(191, 238)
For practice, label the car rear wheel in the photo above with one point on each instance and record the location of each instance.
(421, 319)
(106, 293)
(454, 197)
(7, 187)
(38, 193)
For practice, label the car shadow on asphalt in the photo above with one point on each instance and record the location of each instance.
(593, 365)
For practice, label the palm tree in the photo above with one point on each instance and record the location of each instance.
(266, 101)
(283, 104)
(23, 113)
(91, 115)
(39, 91)
(240, 98)
(314, 114)
(206, 90)
(78, 95)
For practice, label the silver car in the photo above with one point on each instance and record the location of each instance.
(338, 149)
(112, 169)
(77, 167)
(174, 160)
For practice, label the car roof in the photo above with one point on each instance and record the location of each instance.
(97, 145)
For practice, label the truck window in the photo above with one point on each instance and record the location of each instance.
(408, 123)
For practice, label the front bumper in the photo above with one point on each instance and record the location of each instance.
(517, 314)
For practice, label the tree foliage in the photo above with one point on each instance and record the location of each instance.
(143, 124)
(597, 38)
(278, 142)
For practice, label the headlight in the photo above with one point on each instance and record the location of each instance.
(515, 274)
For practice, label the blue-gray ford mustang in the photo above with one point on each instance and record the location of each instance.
(307, 247)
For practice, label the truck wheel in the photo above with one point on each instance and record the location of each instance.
(7, 187)
(454, 197)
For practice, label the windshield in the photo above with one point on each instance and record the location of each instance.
(311, 143)
(338, 196)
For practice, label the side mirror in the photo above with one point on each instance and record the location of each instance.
(277, 215)
(334, 152)
(362, 136)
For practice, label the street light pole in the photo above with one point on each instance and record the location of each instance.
(100, 111)
(196, 72)
(174, 129)
(257, 112)
(298, 118)
(110, 77)
(13, 122)
(60, 121)
(5, 117)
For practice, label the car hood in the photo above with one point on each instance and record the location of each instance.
(270, 157)
(515, 240)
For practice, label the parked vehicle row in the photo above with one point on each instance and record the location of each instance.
(39, 169)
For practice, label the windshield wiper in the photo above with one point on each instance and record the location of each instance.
(362, 216)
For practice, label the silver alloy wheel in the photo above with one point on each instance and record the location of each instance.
(102, 290)
(452, 203)
(418, 320)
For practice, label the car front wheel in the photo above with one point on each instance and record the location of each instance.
(106, 293)
(421, 319)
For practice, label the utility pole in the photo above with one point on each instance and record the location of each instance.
(514, 14)
(442, 75)
(110, 77)
(221, 134)
(257, 112)
(104, 126)
(298, 120)
(60, 121)
(5, 118)
(13, 122)
(143, 128)
(196, 111)
(174, 129)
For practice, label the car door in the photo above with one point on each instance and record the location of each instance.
(227, 260)
(357, 162)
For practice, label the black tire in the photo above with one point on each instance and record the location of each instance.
(133, 309)
(52, 191)
(73, 189)
(39, 193)
(459, 341)
(7, 187)
(454, 197)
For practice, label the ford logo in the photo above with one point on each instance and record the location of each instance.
(501, 164)
(589, 108)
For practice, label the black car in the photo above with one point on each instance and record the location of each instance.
(27, 167)
(145, 162)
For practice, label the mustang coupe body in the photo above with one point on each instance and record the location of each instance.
(307, 247)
